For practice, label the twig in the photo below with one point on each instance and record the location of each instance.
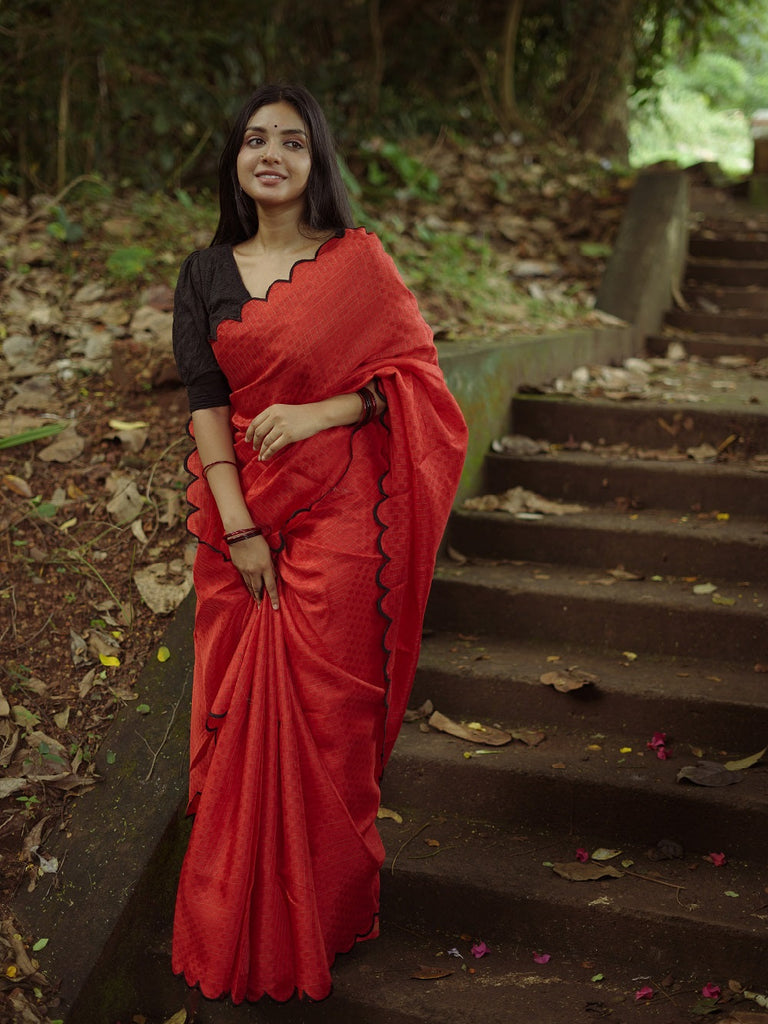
(432, 853)
(156, 753)
(658, 881)
(45, 209)
(37, 634)
(408, 840)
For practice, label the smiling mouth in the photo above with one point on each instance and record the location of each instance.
(271, 175)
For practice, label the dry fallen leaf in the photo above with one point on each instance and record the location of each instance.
(745, 762)
(709, 773)
(576, 871)
(17, 485)
(178, 1018)
(531, 737)
(385, 812)
(484, 734)
(431, 973)
(571, 679)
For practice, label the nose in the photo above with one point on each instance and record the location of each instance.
(271, 151)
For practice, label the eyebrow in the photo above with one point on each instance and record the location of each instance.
(284, 131)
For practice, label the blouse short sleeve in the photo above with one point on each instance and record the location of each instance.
(207, 386)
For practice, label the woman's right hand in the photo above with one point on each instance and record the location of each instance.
(253, 560)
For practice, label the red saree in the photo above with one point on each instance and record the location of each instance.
(295, 712)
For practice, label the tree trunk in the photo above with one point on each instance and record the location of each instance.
(593, 103)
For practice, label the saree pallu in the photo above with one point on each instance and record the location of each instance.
(295, 711)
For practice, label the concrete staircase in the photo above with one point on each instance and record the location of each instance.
(482, 825)
(724, 301)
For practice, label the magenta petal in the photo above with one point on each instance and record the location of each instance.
(479, 949)
(582, 855)
(718, 859)
(646, 992)
(711, 991)
(542, 958)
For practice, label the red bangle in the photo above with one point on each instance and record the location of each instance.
(368, 410)
(218, 462)
(245, 534)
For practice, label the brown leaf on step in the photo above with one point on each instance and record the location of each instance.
(414, 714)
(702, 453)
(456, 556)
(576, 871)
(709, 773)
(431, 973)
(485, 734)
(571, 679)
(620, 573)
(745, 762)
(385, 812)
(531, 737)
(518, 500)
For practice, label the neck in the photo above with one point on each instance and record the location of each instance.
(279, 231)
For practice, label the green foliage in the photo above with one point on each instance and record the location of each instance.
(62, 228)
(722, 79)
(680, 124)
(129, 262)
(140, 92)
(412, 180)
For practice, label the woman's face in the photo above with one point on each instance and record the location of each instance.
(274, 161)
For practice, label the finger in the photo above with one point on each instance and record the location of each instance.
(270, 447)
(270, 584)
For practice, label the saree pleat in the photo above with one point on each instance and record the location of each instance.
(294, 711)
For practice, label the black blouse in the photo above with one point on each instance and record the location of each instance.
(209, 290)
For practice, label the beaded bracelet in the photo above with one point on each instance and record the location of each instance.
(218, 462)
(245, 534)
(368, 410)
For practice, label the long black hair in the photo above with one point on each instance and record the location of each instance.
(326, 203)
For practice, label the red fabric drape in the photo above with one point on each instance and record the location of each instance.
(295, 712)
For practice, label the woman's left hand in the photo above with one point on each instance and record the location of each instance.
(280, 425)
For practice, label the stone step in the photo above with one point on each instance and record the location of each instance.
(734, 273)
(572, 605)
(737, 323)
(707, 296)
(708, 705)
(751, 225)
(639, 422)
(496, 885)
(707, 245)
(607, 476)
(387, 982)
(708, 346)
(648, 542)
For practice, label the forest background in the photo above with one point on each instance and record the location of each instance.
(140, 93)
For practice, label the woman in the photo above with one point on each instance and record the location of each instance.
(328, 454)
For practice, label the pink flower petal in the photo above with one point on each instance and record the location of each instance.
(582, 855)
(718, 859)
(646, 992)
(663, 753)
(658, 739)
(542, 958)
(479, 949)
(711, 991)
